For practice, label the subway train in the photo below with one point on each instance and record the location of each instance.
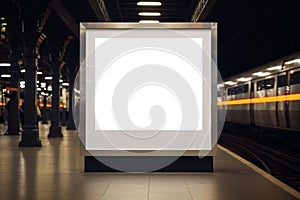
(266, 96)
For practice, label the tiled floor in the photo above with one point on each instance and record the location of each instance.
(55, 171)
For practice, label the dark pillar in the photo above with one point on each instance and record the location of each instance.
(15, 38)
(31, 12)
(55, 128)
(64, 117)
(71, 124)
(44, 110)
(13, 106)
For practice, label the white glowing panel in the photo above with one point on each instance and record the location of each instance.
(148, 94)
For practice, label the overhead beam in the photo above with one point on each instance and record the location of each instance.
(58, 8)
(100, 10)
(202, 10)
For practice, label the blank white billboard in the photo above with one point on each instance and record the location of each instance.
(147, 86)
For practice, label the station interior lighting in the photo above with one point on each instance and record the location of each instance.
(22, 86)
(22, 82)
(274, 68)
(244, 79)
(39, 72)
(293, 61)
(48, 77)
(39, 89)
(5, 75)
(5, 64)
(154, 14)
(230, 83)
(43, 85)
(60, 80)
(65, 84)
(149, 21)
(23, 70)
(261, 74)
(149, 3)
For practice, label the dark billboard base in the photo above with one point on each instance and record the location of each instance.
(146, 163)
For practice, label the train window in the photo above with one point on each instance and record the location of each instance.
(238, 90)
(282, 81)
(265, 84)
(295, 78)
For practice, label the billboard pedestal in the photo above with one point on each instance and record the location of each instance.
(135, 163)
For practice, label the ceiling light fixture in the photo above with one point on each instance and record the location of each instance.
(274, 68)
(229, 83)
(148, 21)
(65, 84)
(5, 64)
(243, 79)
(149, 3)
(39, 72)
(5, 75)
(153, 14)
(48, 78)
(293, 61)
(261, 74)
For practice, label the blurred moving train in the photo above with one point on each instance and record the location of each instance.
(267, 96)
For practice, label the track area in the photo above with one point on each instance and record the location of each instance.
(280, 165)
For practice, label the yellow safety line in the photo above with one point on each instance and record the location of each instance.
(280, 98)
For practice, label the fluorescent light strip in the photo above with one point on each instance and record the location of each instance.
(229, 83)
(48, 78)
(5, 64)
(39, 73)
(65, 84)
(5, 75)
(293, 61)
(154, 14)
(148, 3)
(274, 68)
(148, 21)
(243, 79)
(261, 74)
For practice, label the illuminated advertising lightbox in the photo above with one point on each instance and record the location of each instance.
(148, 86)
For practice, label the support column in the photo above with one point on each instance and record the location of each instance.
(44, 120)
(71, 124)
(31, 14)
(64, 117)
(64, 109)
(14, 35)
(13, 105)
(55, 128)
(30, 134)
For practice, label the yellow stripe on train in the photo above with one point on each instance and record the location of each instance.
(280, 98)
